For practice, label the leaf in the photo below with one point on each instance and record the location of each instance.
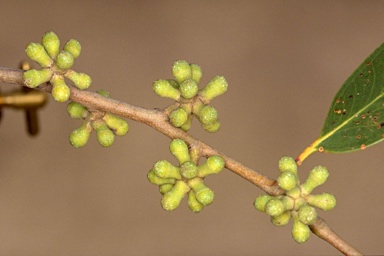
(356, 117)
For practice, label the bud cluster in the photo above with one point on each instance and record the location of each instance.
(55, 66)
(297, 203)
(187, 178)
(190, 101)
(106, 125)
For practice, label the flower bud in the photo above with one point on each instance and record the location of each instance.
(217, 86)
(33, 78)
(81, 80)
(208, 115)
(286, 180)
(196, 73)
(118, 125)
(180, 150)
(73, 46)
(282, 219)
(164, 89)
(37, 53)
(274, 207)
(300, 231)
(214, 127)
(164, 188)
(294, 192)
(188, 170)
(165, 169)
(178, 117)
(64, 60)
(76, 110)
(171, 200)
(104, 135)
(261, 201)
(323, 201)
(316, 177)
(80, 136)
(181, 71)
(188, 89)
(173, 83)
(193, 204)
(51, 43)
(288, 164)
(203, 194)
(213, 165)
(187, 125)
(104, 93)
(157, 180)
(307, 214)
(60, 90)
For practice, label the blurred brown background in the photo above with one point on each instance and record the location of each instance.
(284, 61)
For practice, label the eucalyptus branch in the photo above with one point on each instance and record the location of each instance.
(158, 120)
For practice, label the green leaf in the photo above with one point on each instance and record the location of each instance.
(356, 117)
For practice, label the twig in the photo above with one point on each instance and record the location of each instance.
(159, 121)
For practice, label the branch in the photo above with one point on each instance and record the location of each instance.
(158, 120)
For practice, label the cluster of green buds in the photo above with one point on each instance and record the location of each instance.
(105, 124)
(190, 101)
(55, 65)
(298, 202)
(188, 178)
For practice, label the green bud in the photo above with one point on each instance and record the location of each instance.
(208, 115)
(33, 78)
(188, 170)
(288, 164)
(286, 180)
(76, 110)
(213, 165)
(294, 193)
(118, 125)
(187, 125)
(307, 214)
(80, 136)
(171, 200)
(81, 80)
(214, 127)
(164, 89)
(274, 207)
(64, 60)
(51, 43)
(157, 180)
(37, 53)
(323, 201)
(173, 83)
(180, 150)
(178, 117)
(181, 71)
(203, 194)
(188, 89)
(60, 90)
(104, 93)
(282, 219)
(165, 169)
(196, 73)
(73, 46)
(104, 135)
(164, 188)
(261, 201)
(316, 177)
(300, 231)
(193, 204)
(195, 155)
(217, 86)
